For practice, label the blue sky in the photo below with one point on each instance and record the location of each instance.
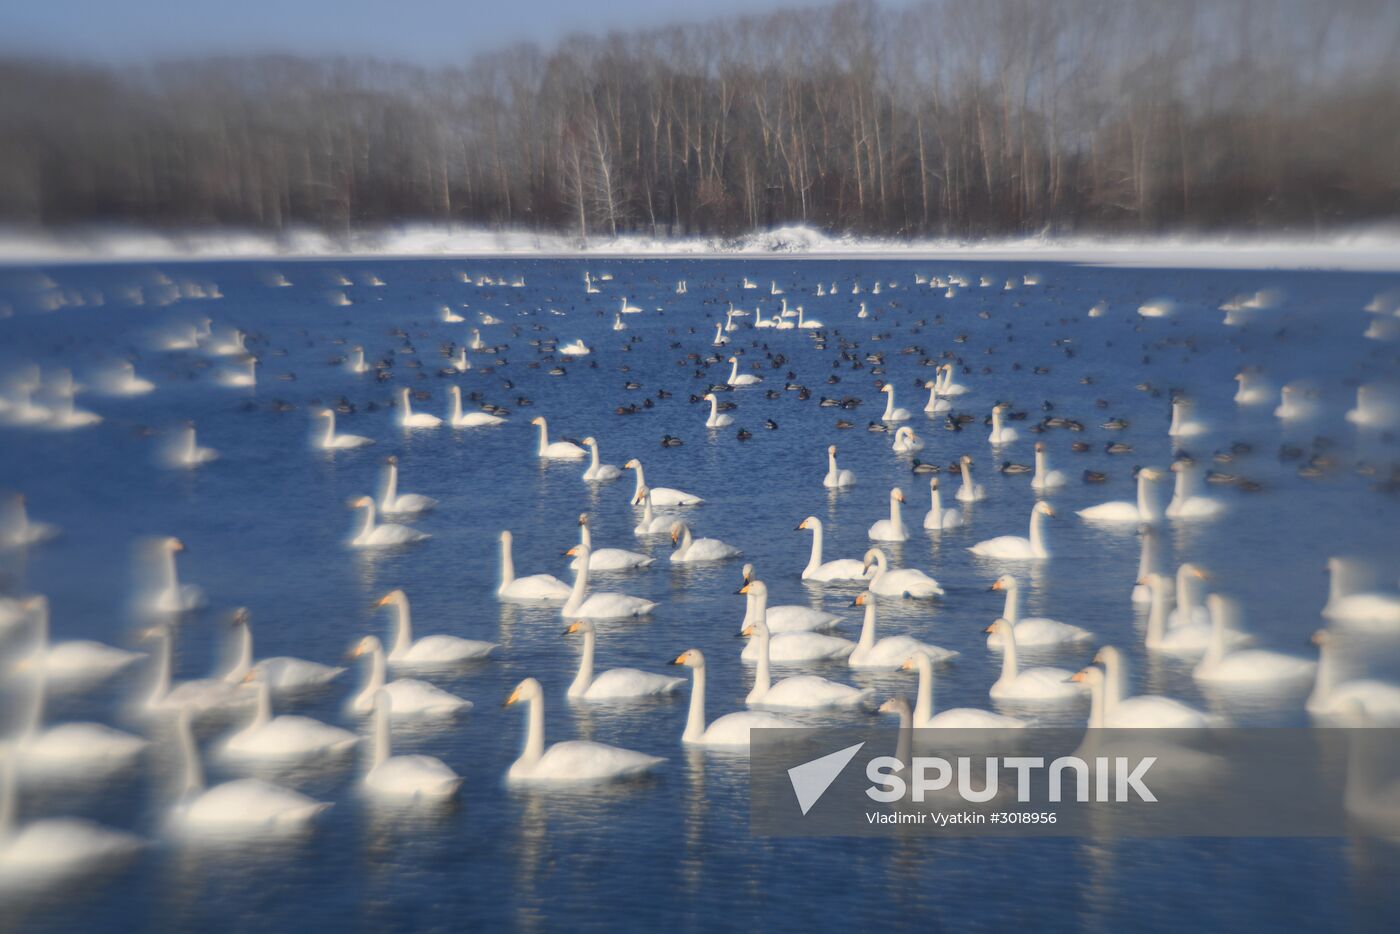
(426, 31)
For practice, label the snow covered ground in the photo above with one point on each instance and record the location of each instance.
(1370, 249)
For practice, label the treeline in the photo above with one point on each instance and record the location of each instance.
(945, 117)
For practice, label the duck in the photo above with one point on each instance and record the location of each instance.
(409, 697)
(581, 605)
(660, 495)
(608, 559)
(688, 550)
(269, 738)
(800, 692)
(902, 582)
(1016, 548)
(616, 683)
(411, 419)
(385, 535)
(558, 450)
(1046, 479)
(1000, 433)
(1333, 698)
(1029, 684)
(572, 761)
(598, 472)
(841, 569)
(413, 777)
(541, 588)
(1033, 631)
(741, 379)
(793, 646)
(892, 414)
(892, 529)
(970, 491)
(716, 419)
(892, 651)
(955, 718)
(392, 502)
(457, 419)
(836, 478)
(731, 731)
(330, 441)
(1256, 667)
(429, 651)
(1144, 511)
(906, 442)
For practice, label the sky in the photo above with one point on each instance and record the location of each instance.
(431, 32)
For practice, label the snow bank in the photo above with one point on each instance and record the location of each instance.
(1373, 249)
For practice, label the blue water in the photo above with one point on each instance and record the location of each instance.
(266, 527)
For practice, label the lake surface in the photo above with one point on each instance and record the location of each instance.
(266, 527)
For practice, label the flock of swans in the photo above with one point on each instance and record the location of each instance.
(1183, 621)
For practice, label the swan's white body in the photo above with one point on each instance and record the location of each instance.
(429, 651)
(1030, 684)
(956, 718)
(416, 777)
(797, 645)
(1186, 503)
(172, 596)
(971, 491)
(284, 737)
(836, 478)
(17, 530)
(892, 651)
(1145, 510)
(411, 419)
(408, 697)
(949, 387)
(458, 419)
(1252, 390)
(1046, 479)
(716, 419)
(615, 683)
(1016, 548)
(330, 441)
(741, 379)
(381, 535)
(578, 348)
(1182, 425)
(1000, 433)
(1119, 710)
(54, 848)
(1296, 402)
(906, 442)
(1349, 605)
(690, 550)
(936, 403)
(841, 569)
(892, 414)
(731, 731)
(582, 605)
(392, 502)
(197, 696)
(573, 761)
(902, 582)
(892, 529)
(1333, 698)
(125, 382)
(937, 518)
(1186, 631)
(651, 523)
(1259, 667)
(187, 453)
(73, 660)
(558, 450)
(608, 559)
(660, 495)
(1034, 631)
(544, 588)
(801, 692)
(597, 471)
(1374, 409)
(280, 673)
(90, 749)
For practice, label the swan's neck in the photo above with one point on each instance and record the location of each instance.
(330, 428)
(585, 537)
(172, 578)
(367, 526)
(1096, 703)
(750, 602)
(403, 630)
(1157, 615)
(263, 714)
(996, 422)
(733, 374)
(1326, 672)
(1176, 419)
(695, 720)
(383, 742)
(1038, 533)
(454, 415)
(376, 675)
(1040, 466)
(647, 516)
(1147, 563)
(1181, 491)
(936, 505)
(534, 731)
(391, 487)
(1115, 680)
(194, 771)
(932, 396)
(544, 436)
(1185, 595)
(1147, 510)
(36, 704)
(1011, 612)
(580, 585)
(923, 704)
(508, 563)
(896, 519)
(593, 450)
(7, 798)
(762, 679)
(160, 685)
(714, 408)
(243, 657)
(1215, 649)
(814, 561)
(190, 446)
(831, 466)
(867, 628)
(407, 405)
(641, 481)
(585, 665)
(967, 477)
(889, 403)
(1341, 583)
(1010, 665)
(686, 540)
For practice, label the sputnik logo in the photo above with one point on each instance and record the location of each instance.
(810, 780)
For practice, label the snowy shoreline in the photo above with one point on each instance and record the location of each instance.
(1372, 249)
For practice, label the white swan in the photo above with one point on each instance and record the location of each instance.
(1375, 408)
(1182, 425)
(558, 450)
(836, 478)
(1117, 710)
(330, 441)
(892, 414)
(1252, 389)
(1045, 479)
(241, 806)
(392, 502)
(651, 523)
(572, 761)
(84, 748)
(720, 340)
(891, 651)
(598, 472)
(937, 518)
(1157, 308)
(1297, 401)
(582, 605)
(970, 491)
(936, 403)
(787, 647)
(1000, 433)
(892, 529)
(617, 325)
(283, 737)
(922, 716)
(1189, 609)
(741, 379)
(1016, 548)
(1190, 633)
(429, 651)
(198, 695)
(1245, 666)
(690, 550)
(370, 535)
(409, 697)
(532, 588)
(1148, 563)
(841, 569)
(356, 362)
(447, 316)
(615, 683)
(1186, 503)
(1145, 510)
(807, 323)
(949, 387)
(1348, 604)
(17, 530)
(608, 559)
(903, 582)
(1030, 684)
(186, 451)
(411, 419)
(280, 673)
(75, 660)
(415, 777)
(716, 419)
(461, 363)
(577, 348)
(1334, 698)
(1033, 630)
(240, 378)
(660, 495)
(906, 442)
(53, 848)
(790, 617)
(731, 731)
(124, 381)
(458, 419)
(798, 692)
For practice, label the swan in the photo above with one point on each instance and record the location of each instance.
(461, 364)
(1108, 688)
(578, 348)
(1190, 634)
(558, 450)
(1045, 479)
(731, 731)
(1296, 402)
(1333, 697)
(1252, 390)
(892, 529)
(241, 806)
(572, 761)
(1189, 610)
(891, 651)
(1145, 510)
(720, 340)
(447, 316)
(615, 683)
(891, 413)
(970, 491)
(1030, 684)
(617, 325)
(716, 419)
(414, 777)
(956, 718)
(172, 596)
(598, 472)
(280, 673)
(936, 403)
(651, 523)
(234, 346)
(949, 387)
(458, 419)
(807, 323)
(124, 381)
(240, 378)
(199, 695)
(283, 737)
(533, 588)
(695, 550)
(660, 495)
(1245, 666)
(1157, 308)
(1182, 425)
(409, 696)
(356, 362)
(1033, 630)
(88, 748)
(842, 569)
(53, 848)
(330, 441)
(78, 659)
(608, 559)
(599, 605)
(906, 442)
(411, 419)
(1374, 409)
(741, 379)
(186, 452)
(1186, 503)
(1000, 434)
(787, 647)
(17, 530)
(904, 582)
(787, 618)
(1148, 563)
(836, 478)
(392, 502)
(370, 535)
(798, 692)
(937, 518)
(476, 342)
(429, 651)
(1345, 604)
(1016, 548)
(628, 309)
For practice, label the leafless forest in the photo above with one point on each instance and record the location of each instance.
(943, 117)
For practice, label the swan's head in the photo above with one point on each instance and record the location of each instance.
(897, 495)
(895, 704)
(1194, 570)
(325, 413)
(748, 573)
(999, 625)
(369, 645)
(733, 360)
(632, 464)
(240, 617)
(690, 658)
(1044, 509)
(811, 522)
(863, 599)
(873, 556)
(965, 460)
(537, 420)
(396, 597)
(913, 661)
(1000, 407)
(526, 690)
(678, 529)
(590, 441)
(831, 449)
(403, 393)
(933, 483)
(1107, 655)
(1320, 638)
(1090, 675)
(391, 459)
(1040, 447)
(1151, 473)
(583, 518)
(710, 396)
(756, 628)
(929, 384)
(581, 625)
(1005, 582)
(757, 588)
(641, 495)
(887, 388)
(361, 502)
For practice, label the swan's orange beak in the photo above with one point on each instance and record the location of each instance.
(514, 696)
(1077, 676)
(680, 659)
(573, 628)
(382, 601)
(990, 629)
(745, 588)
(860, 599)
(572, 552)
(357, 651)
(908, 664)
(746, 631)
(899, 496)
(995, 586)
